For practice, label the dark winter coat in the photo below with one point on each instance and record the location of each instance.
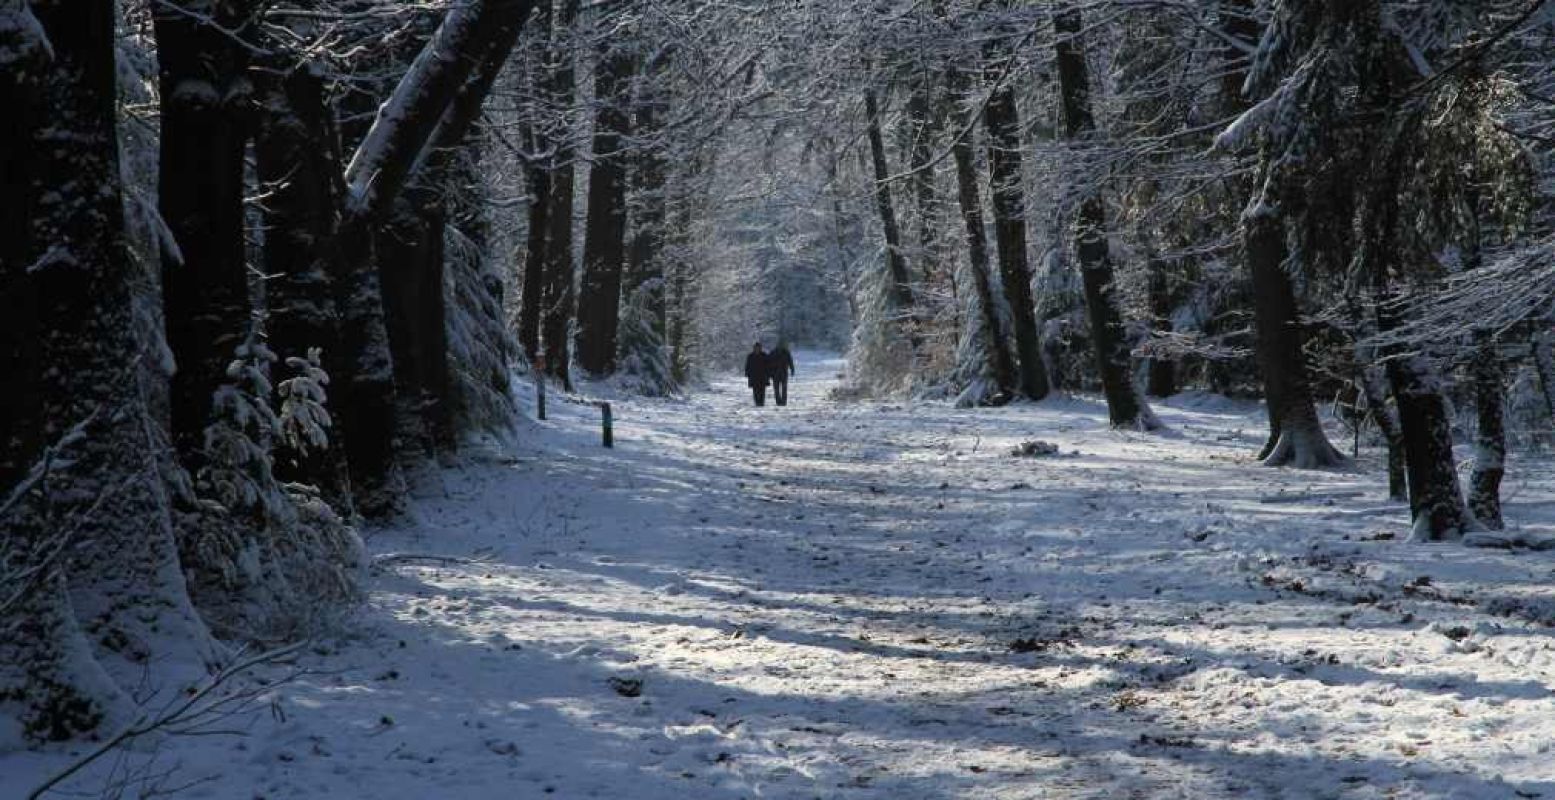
(780, 364)
(756, 369)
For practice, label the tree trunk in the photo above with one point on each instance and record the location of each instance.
(1001, 364)
(1489, 438)
(1009, 221)
(681, 286)
(529, 308)
(604, 238)
(298, 163)
(101, 490)
(200, 189)
(1544, 365)
(644, 265)
(1297, 432)
(896, 263)
(393, 149)
(410, 270)
(1125, 408)
(924, 126)
(557, 298)
(1373, 380)
(1435, 499)
(425, 306)
(1162, 380)
(49, 681)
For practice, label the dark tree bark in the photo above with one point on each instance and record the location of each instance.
(100, 490)
(896, 262)
(410, 260)
(1435, 499)
(537, 183)
(1300, 440)
(1009, 215)
(529, 309)
(204, 131)
(297, 159)
(1001, 362)
(604, 236)
(1125, 408)
(1374, 385)
(557, 297)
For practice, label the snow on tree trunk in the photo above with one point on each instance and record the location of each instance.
(102, 486)
(1125, 407)
(405, 123)
(1009, 214)
(50, 683)
(604, 238)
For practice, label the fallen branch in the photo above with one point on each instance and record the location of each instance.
(394, 559)
(186, 715)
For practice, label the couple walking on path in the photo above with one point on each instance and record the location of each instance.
(762, 368)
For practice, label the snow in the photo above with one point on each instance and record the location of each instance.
(878, 600)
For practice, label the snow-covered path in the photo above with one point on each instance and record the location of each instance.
(881, 601)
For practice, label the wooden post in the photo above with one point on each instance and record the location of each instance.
(539, 371)
(607, 425)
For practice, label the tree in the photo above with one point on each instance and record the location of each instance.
(1124, 406)
(990, 336)
(206, 97)
(297, 161)
(604, 239)
(901, 292)
(557, 297)
(394, 148)
(1009, 214)
(97, 485)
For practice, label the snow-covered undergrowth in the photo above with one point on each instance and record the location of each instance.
(881, 601)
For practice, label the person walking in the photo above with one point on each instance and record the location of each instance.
(780, 365)
(756, 374)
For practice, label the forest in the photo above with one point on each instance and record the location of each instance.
(1173, 408)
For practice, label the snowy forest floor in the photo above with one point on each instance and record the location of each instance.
(881, 601)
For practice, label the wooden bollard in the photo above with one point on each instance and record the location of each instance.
(607, 425)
